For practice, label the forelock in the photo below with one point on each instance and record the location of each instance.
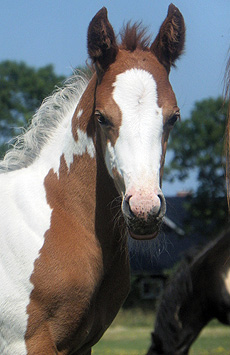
(134, 37)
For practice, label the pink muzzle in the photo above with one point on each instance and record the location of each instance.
(143, 212)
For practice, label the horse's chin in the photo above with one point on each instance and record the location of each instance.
(141, 229)
(143, 236)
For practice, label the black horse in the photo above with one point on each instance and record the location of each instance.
(198, 292)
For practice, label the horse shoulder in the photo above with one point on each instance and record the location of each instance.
(77, 292)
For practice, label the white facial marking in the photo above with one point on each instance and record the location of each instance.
(137, 152)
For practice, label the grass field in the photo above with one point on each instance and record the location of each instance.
(130, 335)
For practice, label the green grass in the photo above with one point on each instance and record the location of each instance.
(213, 340)
(130, 335)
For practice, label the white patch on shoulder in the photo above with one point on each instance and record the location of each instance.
(227, 281)
(138, 149)
(25, 217)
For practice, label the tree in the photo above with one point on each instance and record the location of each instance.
(22, 90)
(198, 144)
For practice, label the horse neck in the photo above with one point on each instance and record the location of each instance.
(81, 169)
(107, 209)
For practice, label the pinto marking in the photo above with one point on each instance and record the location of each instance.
(135, 92)
(23, 194)
(30, 223)
(83, 145)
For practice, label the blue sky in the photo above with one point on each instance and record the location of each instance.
(54, 31)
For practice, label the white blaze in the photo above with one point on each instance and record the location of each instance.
(137, 152)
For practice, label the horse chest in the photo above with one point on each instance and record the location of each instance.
(78, 299)
(104, 307)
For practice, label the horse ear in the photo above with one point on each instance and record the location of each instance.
(102, 46)
(169, 43)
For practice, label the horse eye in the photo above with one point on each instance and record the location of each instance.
(102, 120)
(172, 120)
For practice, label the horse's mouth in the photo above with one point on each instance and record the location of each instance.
(143, 236)
(143, 226)
(145, 232)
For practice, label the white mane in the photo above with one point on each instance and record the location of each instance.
(28, 145)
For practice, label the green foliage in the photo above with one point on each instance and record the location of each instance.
(198, 145)
(23, 89)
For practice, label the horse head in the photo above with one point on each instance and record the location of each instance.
(134, 110)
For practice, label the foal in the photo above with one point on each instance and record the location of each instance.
(64, 264)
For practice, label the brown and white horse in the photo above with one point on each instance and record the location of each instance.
(64, 268)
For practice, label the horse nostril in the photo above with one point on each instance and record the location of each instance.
(127, 198)
(126, 206)
(144, 207)
(162, 208)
